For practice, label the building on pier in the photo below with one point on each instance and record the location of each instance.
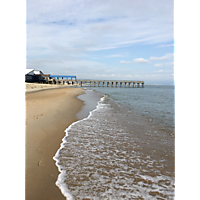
(62, 77)
(32, 75)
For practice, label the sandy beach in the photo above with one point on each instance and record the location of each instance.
(48, 114)
(34, 87)
(142, 165)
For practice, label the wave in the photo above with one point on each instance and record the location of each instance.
(115, 153)
(60, 181)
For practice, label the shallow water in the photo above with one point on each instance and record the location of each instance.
(152, 101)
(117, 153)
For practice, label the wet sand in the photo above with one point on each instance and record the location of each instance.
(118, 154)
(48, 114)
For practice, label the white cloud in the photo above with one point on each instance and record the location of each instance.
(61, 34)
(169, 63)
(165, 57)
(101, 48)
(158, 65)
(125, 62)
(166, 45)
(166, 64)
(141, 60)
(98, 25)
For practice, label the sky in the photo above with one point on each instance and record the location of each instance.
(102, 39)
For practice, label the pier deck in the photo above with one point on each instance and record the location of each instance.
(98, 83)
(111, 83)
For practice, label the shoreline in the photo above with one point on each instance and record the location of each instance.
(84, 114)
(150, 153)
(47, 117)
(52, 185)
(145, 111)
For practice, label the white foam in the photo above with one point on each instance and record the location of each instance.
(99, 144)
(60, 181)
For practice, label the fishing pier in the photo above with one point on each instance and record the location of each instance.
(112, 83)
(38, 76)
(71, 80)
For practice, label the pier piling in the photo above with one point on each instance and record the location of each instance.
(128, 84)
(98, 83)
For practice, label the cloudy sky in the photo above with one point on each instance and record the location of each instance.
(102, 39)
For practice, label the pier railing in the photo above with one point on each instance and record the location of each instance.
(112, 83)
(98, 83)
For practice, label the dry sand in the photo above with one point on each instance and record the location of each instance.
(33, 87)
(48, 114)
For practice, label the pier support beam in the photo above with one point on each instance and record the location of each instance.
(98, 83)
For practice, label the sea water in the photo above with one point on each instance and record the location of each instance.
(154, 101)
(124, 149)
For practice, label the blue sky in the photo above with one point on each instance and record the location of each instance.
(107, 39)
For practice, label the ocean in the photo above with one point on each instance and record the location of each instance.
(124, 149)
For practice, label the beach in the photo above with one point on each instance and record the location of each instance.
(34, 87)
(124, 149)
(48, 114)
(112, 143)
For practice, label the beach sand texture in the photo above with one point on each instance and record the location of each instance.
(33, 87)
(48, 114)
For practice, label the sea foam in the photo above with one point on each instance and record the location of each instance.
(114, 153)
(60, 181)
